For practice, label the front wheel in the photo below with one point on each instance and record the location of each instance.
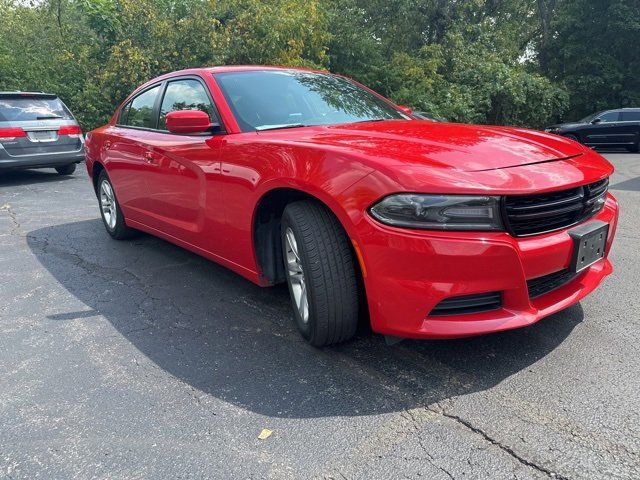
(66, 169)
(321, 273)
(110, 211)
(572, 137)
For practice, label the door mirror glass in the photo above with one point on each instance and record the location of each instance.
(187, 122)
(596, 120)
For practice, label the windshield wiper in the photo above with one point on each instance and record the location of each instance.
(279, 127)
(49, 117)
(372, 120)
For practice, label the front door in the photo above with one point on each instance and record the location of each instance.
(605, 132)
(183, 172)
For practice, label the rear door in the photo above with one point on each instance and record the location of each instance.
(630, 123)
(183, 171)
(124, 148)
(44, 123)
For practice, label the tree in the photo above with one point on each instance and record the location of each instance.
(517, 62)
(594, 53)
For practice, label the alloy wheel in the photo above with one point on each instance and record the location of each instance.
(108, 204)
(296, 276)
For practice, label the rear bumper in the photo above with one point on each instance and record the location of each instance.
(44, 160)
(408, 273)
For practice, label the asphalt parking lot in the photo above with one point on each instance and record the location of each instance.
(137, 359)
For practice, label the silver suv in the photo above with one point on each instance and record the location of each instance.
(37, 130)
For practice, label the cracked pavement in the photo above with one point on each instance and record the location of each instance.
(139, 360)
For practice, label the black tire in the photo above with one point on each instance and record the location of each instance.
(329, 273)
(66, 169)
(635, 148)
(119, 230)
(572, 137)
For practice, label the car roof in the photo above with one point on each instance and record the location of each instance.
(18, 93)
(248, 68)
(231, 68)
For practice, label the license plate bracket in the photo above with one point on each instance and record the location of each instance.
(43, 135)
(589, 243)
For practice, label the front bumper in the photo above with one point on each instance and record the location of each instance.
(8, 162)
(407, 273)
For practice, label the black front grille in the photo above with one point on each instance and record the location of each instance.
(541, 285)
(546, 212)
(481, 302)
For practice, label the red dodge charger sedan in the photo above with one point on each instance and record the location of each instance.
(431, 230)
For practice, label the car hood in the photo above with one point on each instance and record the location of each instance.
(438, 145)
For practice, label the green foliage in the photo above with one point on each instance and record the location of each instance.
(595, 54)
(277, 32)
(458, 60)
(519, 62)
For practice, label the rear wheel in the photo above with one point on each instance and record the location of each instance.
(66, 169)
(110, 210)
(321, 273)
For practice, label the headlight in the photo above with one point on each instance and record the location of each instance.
(552, 130)
(439, 212)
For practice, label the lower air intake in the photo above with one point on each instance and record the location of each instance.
(542, 285)
(481, 302)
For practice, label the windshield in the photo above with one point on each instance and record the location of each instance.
(24, 109)
(266, 100)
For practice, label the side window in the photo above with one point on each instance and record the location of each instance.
(609, 117)
(631, 116)
(139, 112)
(187, 94)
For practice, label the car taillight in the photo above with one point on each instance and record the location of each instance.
(11, 133)
(71, 130)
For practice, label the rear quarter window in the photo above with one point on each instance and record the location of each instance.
(26, 109)
(139, 111)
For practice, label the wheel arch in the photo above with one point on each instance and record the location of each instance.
(266, 228)
(96, 169)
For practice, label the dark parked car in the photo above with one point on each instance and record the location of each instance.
(609, 128)
(37, 130)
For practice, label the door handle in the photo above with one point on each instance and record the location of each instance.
(148, 157)
(107, 144)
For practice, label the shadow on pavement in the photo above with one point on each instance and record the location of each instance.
(630, 185)
(12, 178)
(231, 339)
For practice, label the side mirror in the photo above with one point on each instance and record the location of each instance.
(188, 122)
(405, 109)
(596, 120)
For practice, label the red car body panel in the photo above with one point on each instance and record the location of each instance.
(202, 193)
